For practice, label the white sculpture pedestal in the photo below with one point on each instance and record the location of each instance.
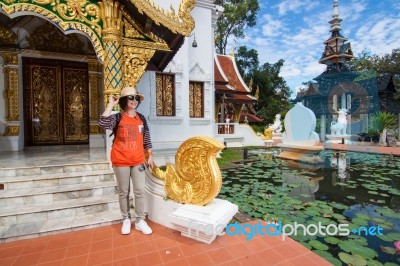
(269, 142)
(305, 154)
(299, 141)
(338, 139)
(276, 135)
(202, 223)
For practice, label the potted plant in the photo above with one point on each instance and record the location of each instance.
(381, 121)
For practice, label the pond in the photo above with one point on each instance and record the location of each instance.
(358, 190)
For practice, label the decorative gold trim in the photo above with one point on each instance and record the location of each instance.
(11, 86)
(145, 44)
(92, 32)
(49, 54)
(112, 20)
(182, 24)
(11, 131)
(134, 30)
(135, 63)
(130, 31)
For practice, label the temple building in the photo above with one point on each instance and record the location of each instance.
(233, 99)
(338, 87)
(59, 62)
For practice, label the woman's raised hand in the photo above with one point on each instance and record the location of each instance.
(113, 100)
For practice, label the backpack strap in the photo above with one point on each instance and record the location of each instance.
(146, 127)
(118, 117)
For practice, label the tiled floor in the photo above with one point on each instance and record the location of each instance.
(106, 246)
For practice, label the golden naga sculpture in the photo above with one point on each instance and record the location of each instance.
(195, 178)
(267, 134)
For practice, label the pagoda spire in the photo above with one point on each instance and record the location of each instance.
(335, 21)
(337, 52)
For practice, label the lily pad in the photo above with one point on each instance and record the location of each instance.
(354, 260)
(318, 245)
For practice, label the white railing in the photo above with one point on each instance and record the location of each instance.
(225, 128)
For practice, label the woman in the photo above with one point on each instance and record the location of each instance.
(131, 139)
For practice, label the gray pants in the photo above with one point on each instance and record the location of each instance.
(123, 176)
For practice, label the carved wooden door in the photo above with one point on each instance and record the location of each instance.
(55, 102)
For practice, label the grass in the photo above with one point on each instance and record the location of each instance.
(228, 156)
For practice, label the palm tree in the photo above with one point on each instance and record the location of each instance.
(381, 121)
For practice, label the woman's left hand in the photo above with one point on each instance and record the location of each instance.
(150, 163)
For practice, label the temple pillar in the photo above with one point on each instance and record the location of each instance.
(334, 103)
(323, 127)
(95, 87)
(343, 101)
(348, 108)
(236, 113)
(222, 116)
(10, 139)
(113, 50)
(11, 94)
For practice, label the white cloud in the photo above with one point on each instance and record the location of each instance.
(297, 35)
(379, 35)
(295, 6)
(272, 27)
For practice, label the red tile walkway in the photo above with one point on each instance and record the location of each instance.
(106, 246)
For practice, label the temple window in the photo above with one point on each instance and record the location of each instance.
(196, 99)
(165, 94)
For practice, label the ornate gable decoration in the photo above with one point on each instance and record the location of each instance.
(80, 15)
(48, 38)
(182, 24)
(133, 35)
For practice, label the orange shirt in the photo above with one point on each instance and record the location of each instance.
(128, 147)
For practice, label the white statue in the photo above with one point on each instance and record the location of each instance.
(339, 127)
(277, 125)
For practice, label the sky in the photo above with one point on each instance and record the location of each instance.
(294, 30)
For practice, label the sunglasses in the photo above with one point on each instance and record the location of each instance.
(134, 97)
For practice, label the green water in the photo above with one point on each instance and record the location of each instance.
(358, 189)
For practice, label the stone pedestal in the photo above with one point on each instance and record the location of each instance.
(277, 136)
(338, 139)
(269, 142)
(299, 141)
(305, 154)
(202, 223)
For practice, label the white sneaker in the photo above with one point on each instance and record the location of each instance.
(126, 226)
(141, 225)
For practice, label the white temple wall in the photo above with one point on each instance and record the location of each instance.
(189, 64)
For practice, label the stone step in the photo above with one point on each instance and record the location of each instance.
(49, 199)
(11, 215)
(58, 225)
(54, 169)
(50, 194)
(54, 179)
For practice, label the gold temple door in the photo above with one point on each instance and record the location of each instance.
(56, 102)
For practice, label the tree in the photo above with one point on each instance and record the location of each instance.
(247, 62)
(238, 14)
(388, 63)
(274, 92)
